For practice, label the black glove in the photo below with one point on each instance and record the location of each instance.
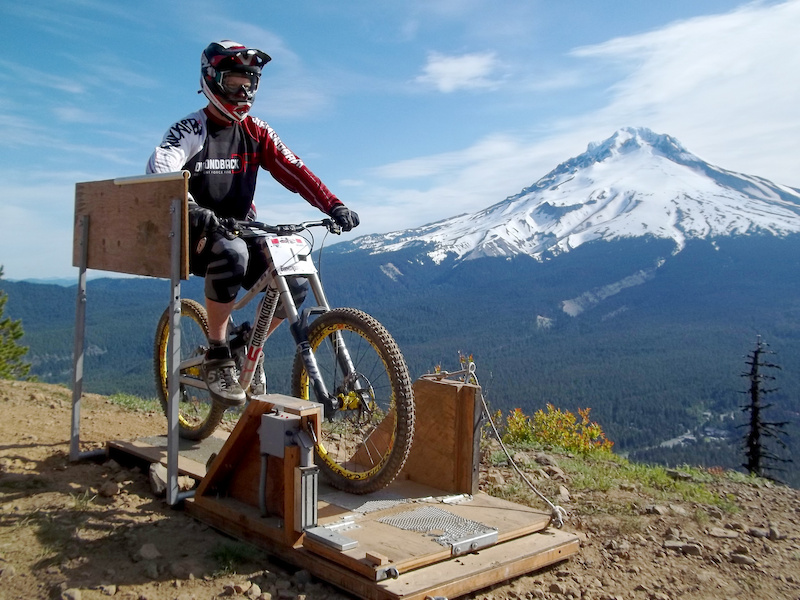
(345, 218)
(202, 221)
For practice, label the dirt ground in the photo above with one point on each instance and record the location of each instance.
(95, 529)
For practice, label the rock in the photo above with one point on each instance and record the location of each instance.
(151, 569)
(302, 576)
(158, 479)
(185, 569)
(678, 510)
(558, 588)
(563, 494)
(71, 594)
(254, 591)
(657, 509)
(742, 559)
(496, 478)
(242, 587)
(692, 549)
(758, 532)
(109, 489)
(520, 459)
(555, 473)
(679, 475)
(545, 459)
(775, 534)
(149, 552)
(725, 534)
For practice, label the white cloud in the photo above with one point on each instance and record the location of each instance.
(467, 71)
(725, 85)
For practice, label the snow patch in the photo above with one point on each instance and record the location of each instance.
(391, 271)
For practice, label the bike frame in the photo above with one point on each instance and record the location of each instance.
(288, 255)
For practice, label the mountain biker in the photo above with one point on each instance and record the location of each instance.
(222, 147)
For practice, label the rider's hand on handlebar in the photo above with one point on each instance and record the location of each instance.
(228, 227)
(201, 222)
(344, 217)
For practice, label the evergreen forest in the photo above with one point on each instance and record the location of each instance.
(657, 349)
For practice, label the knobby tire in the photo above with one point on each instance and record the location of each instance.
(363, 449)
(198, 415)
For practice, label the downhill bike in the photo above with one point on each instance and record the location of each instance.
(345, 360)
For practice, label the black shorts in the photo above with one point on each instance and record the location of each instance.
(229, 265)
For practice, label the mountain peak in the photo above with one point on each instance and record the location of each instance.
(630, 139)
(636, 183)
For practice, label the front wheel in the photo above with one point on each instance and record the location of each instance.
(198, 415)
(365, 444)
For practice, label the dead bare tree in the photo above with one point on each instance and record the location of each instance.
(761, 435)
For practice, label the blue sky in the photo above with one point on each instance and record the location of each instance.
(411, 111)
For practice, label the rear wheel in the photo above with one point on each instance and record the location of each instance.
(365, 444)
(198, 415)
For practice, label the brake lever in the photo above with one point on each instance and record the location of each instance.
(332, 226)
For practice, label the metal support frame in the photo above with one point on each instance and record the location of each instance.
(176, 235)
(174, 359)
(79, 351)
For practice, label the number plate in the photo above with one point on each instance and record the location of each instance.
(291, 254)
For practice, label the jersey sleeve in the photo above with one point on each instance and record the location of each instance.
(290, 171)
(182, 141)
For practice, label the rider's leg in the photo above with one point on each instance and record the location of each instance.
(276, 322)
(226, 264)
(218, 315)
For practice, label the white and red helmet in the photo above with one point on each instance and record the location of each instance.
(229, 76)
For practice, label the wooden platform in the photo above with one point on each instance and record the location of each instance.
(408, 541)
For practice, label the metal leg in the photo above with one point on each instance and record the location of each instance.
(78, 352)
(78, 349)
(174, 353)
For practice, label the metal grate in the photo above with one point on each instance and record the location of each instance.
(446, 528)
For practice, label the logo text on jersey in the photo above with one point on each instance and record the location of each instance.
(179, 130)
(219, 165)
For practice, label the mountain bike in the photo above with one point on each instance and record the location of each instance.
(345, 360)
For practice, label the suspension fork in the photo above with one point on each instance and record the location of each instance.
(298, 325)
(342, 355)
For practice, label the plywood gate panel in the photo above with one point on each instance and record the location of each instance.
(130, 224)
(445, 454)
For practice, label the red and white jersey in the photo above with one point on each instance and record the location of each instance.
(223, 159)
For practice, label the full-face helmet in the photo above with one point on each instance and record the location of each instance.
(229, 76)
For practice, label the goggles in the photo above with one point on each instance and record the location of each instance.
(234, 82)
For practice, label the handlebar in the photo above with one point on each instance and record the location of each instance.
(286, 229)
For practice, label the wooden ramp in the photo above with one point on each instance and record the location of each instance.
(411, 540)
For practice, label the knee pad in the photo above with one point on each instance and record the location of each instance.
(225, 268)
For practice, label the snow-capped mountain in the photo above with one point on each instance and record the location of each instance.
(636, 183)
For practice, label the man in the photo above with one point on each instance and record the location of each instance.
(223, 147)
